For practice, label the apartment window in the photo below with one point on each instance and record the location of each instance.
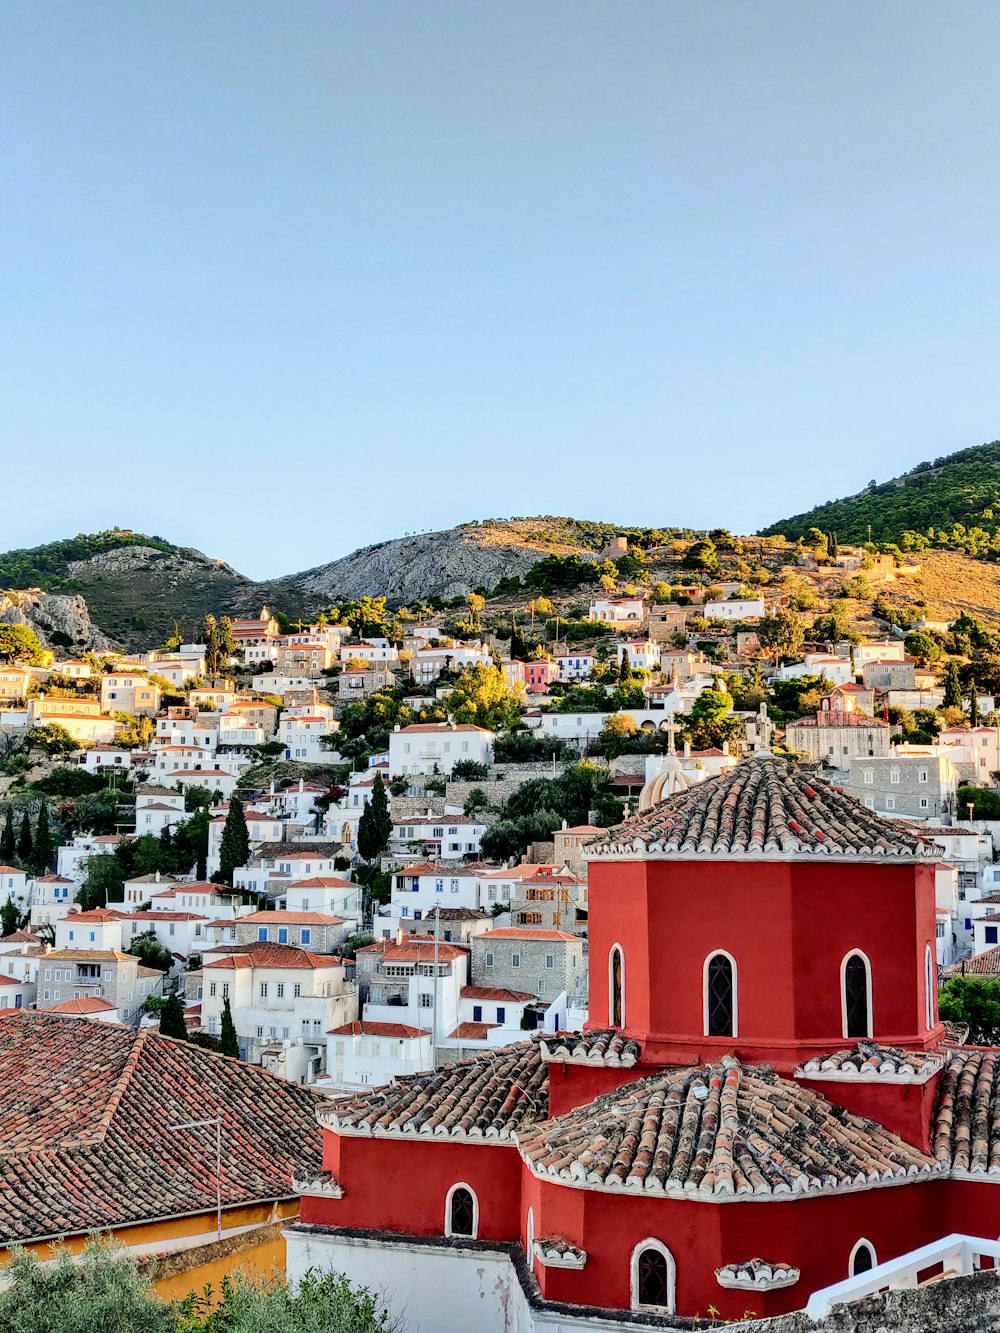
(489, 961)
(282, 934)
(212, 987)
(260, 1032)
(426, 1000)
(550, 960)
(515, 960)
(890, 802)
(439, 886)
(869, 776)
(501, 1013)
(894, 776)
(477, 1009)
(225, 990)
(281, 990)
(989, 933)
(869, 803)
(924, 803)
(306, 935)
(297, 990)
(922, 775)
(454, 886)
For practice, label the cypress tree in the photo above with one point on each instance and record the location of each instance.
(952, 687)
(375, 824)
(8, 918)
(24, 843)
(235, 849)
(625, 669)
(230, 1041)
(211, 647)
(975, 716)
(41, 854)
(172, 1022)
(8, 839)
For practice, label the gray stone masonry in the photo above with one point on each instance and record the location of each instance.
(523, 964)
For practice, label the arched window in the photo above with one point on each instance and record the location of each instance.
(862, 1259)
(720, 995)
(653, 1277)
(530, 1246)
(856, 995)
(461, 1212)
(930, 982)
(616, 987)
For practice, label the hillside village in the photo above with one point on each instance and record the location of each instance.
(356, 850)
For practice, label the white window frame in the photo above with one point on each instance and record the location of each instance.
(843, 995)
(930, 987)
(651, 1243)
(714, 953)
(854, 1252)
(462, 1185)
(611, 983)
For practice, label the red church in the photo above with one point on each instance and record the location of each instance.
(763, 1104)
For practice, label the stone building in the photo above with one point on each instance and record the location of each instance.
(528, 958)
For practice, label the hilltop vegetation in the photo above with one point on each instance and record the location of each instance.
(952, 503)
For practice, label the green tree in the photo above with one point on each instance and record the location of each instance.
(781, 632)
(18, 643)
(976, 1001)
(375, 824)
(103, 1288)
(924, 646)
(210, 633)
(172, 1021)
(481, 697)
(321, 1301)
(151, 953)
(710, 721)
(9, 918)
(24, 841)
(230, 1041)
(235, 849)
(8, 839)
(468, 770)
(227, 644)
(44, 847)
(53, 739)
(103, 882)
(833, 627)
(701, 555)
(625, 668)
(952, 686)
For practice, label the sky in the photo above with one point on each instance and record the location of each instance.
(280, 280)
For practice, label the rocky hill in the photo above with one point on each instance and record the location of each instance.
(961, 488)
(133, 587)
(62, 623)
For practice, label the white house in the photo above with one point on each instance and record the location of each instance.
(215, 779)
(884, 650)
(283, 1001)
(447, 836)
(302, 738)
(157, 808)
(183, 933)
(617, 610)
(97, 758)
(643, 654)
(13, 884)
(417, 890)
(575, 665)
(735, 608)
(51, 898)
(837, 670)
(366, 1054)
(15, 993)
(436, 747)
(413, 981)
(72, 857)
(323, 893)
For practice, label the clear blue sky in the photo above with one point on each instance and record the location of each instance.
(281, 279)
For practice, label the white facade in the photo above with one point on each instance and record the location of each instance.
(642, 653)
(575, 666)
(367, 1054)
(302, 738)
(617, 610)
(436, 747)
(737, 608)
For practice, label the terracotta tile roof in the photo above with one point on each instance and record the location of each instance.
(321, 882)
(985, 964)
(456, 914)
(86, 1004)
(967, 1118)
(718, 1129)
(98, 914)
(20, 937)
(757, 1275)
(363, 1029)
(265, 954)
(83, 1116)
(11, 870)
(761, 807)
(839, 717)
(163, 916)
(296, 851)
(495, 993)
(469, 1031)
(100, 955)
(591, 1048)
(11, 981)
(414, 950)
(289, 919)
(526, 933)
(870, 1060)
(488, 1096)
(429, 867)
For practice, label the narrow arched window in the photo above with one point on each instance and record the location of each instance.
(461, 1212)
(857, 996)
(653, 1277)
(720, 996)
(862, 1258)
(616, 987)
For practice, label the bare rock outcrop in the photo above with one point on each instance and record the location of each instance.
(62, 622)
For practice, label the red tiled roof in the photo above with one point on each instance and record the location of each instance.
(471, 1031)
(290, 919)
(414, 950)
(164, 916)
(362, 1029)
(985, 964)
(429, 867)
(838, 717)
(11, 870)
(761, 807)
(486, 1097)
(266, 954)
(86, 1004)
(525, 933)
(84, 1111)
(495, 993)
(717, 1130)
(966, 1134)
(20, 937)
(321, 882)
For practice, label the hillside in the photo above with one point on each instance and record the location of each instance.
(962, 488)
(134, 586)
(453, 562)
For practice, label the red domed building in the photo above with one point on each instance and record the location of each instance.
(763, 1104)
